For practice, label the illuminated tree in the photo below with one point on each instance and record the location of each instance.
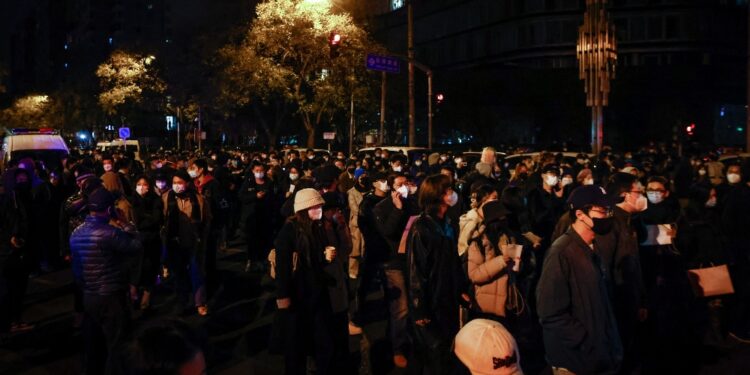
(285, 61)
(126, 79)
(30, 111)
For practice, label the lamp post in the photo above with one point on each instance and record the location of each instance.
(410, 55)
(597, 56)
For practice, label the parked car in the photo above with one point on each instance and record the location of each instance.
(45, 145)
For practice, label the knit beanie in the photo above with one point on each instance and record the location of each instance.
(307, 198)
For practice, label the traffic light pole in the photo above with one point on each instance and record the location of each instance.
(410, 44)
(382, 108)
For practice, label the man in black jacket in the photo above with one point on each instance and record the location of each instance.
(573, 294)
(98, 251)
(215, 194)
(391, 217)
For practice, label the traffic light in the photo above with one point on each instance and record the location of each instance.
(334, 42)
(439, 98)
(689, 130)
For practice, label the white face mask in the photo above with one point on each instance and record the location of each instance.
(315, 213)
(161, 185)
(178, 188)
(259, 175)
(459, 162)
(213, 157)
(418, 163)
(141, 190)
(193, 173)
(403, 190)
(588, 181)
(443, 158)
(413, 190)
(158, 165)
(383, 186)
(293, 176)
(733, 178)
(107, 167)
(453, 199)
(711, 202)
(550, 180)
(397, 168)
(567, 181)
(702, 172)
(655, 197)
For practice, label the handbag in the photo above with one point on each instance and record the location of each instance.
(711, 281)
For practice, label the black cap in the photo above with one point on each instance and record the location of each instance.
(553, 168)
(493, 211)
(589, 195)
(100, 200)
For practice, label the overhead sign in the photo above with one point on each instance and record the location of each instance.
(386, 64)
(329, 135)
(124, 133)
(170, 122)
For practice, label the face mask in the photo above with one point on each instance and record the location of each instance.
(453, 199)
(158, 165)
(655, 197)
(383, 186)
(397, 168)
(293, 176)
(602, 226)
(702, 172)
(418, 163)
(107, 167)
(413, 190)
(193, 173)
(213, 157)
(733, 178)
(178, 188)
(259, 175)
(161, 185)
(711, 203)
(141, 190)
(588, 181)
(315, 213)
(459, 162)
(443, 158)
(550, 180)
(567, 181)
(310, 156)
(403, 190)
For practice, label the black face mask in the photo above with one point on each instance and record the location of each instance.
(602, 226)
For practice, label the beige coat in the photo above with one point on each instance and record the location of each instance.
(487, 272)
(355, 199)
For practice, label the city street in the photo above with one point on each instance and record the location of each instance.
(237, 330)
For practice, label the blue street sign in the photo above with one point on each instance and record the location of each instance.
(124, 133)
(386, 64)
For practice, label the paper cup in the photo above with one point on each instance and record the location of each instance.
(330, 253)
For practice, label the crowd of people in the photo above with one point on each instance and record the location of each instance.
(579, 264)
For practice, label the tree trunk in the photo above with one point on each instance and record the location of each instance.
(310, 136)
(270, 133)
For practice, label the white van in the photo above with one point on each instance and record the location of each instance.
(120, 145)
(45, 145)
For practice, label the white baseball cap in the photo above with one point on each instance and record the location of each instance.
(485, 347)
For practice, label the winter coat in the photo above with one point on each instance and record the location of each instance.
(354, 198)
(435, 280)
(148, 215)
(467, 225)
(488, 273)
(99, 252)
(390, 223)
(575, 309)
(376, 247)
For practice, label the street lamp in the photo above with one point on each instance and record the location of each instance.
(597, 56)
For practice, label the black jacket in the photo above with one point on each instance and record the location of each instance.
(14, 222)
(390, 223)
(435, 278)
(148, 212)
(376, 246)
(575, 310)
(98, 250)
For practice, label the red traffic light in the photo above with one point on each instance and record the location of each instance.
(334, 39)
(440, 97)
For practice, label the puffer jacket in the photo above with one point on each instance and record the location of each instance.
(488, 273)
(467, 224)
(99, 251)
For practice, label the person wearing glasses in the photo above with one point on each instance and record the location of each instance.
(573, 294)
(630, 301)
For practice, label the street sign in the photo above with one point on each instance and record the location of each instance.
(329, 135)
(124, 133)
(388, 64)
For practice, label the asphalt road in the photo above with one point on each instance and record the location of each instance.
(237, 329)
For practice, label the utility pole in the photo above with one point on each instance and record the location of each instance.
(382, 108)
(200, 128)
(410, 54)
(179, 117)
(747, 107)
(429, 110)
(351, 123)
